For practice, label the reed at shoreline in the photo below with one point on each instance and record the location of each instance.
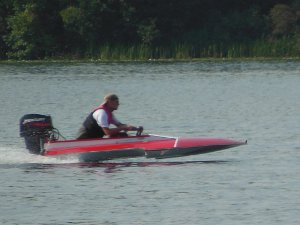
(261, 49)
(257, 49)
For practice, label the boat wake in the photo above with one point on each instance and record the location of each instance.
(16, 155)
(11, 157)
(111, 167)
(108, 166)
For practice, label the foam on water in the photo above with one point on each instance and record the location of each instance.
(16, 155)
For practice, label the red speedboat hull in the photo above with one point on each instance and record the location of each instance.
(150, 146)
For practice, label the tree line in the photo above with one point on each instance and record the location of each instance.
(138, 29)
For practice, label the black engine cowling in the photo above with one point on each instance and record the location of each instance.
(36, 129)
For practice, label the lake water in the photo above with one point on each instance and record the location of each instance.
(253, 184)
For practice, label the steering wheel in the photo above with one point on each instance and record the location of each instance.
(139, 131)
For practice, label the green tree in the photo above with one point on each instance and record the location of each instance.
(284, 20)
(32, 29)
(20, 38)
(72, 18)
(2, 33)
(148, 32)
(35, 30)
(6, 7)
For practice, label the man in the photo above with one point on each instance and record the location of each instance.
(96, 125)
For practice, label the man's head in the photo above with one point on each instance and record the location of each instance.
(112, 101)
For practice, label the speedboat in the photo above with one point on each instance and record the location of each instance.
(42, 138)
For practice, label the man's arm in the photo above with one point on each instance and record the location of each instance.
(121, 127)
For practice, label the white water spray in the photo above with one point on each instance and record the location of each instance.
(17, 155)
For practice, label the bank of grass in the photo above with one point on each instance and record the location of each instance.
(284, 48)
(261, 49)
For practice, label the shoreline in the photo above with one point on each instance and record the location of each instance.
(91, 60)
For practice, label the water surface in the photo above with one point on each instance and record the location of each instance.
(253, 184)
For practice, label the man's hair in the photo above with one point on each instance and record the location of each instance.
(110, 97)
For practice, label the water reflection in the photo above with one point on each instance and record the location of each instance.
(116, 167)
(109, 167)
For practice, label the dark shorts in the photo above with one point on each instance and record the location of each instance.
(84, 134)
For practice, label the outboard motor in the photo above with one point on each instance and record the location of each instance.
(36, 130)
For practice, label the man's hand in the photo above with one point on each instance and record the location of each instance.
(126, 127)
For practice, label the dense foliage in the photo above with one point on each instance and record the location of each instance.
(141, 29)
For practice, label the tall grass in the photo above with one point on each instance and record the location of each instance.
(285, 47)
